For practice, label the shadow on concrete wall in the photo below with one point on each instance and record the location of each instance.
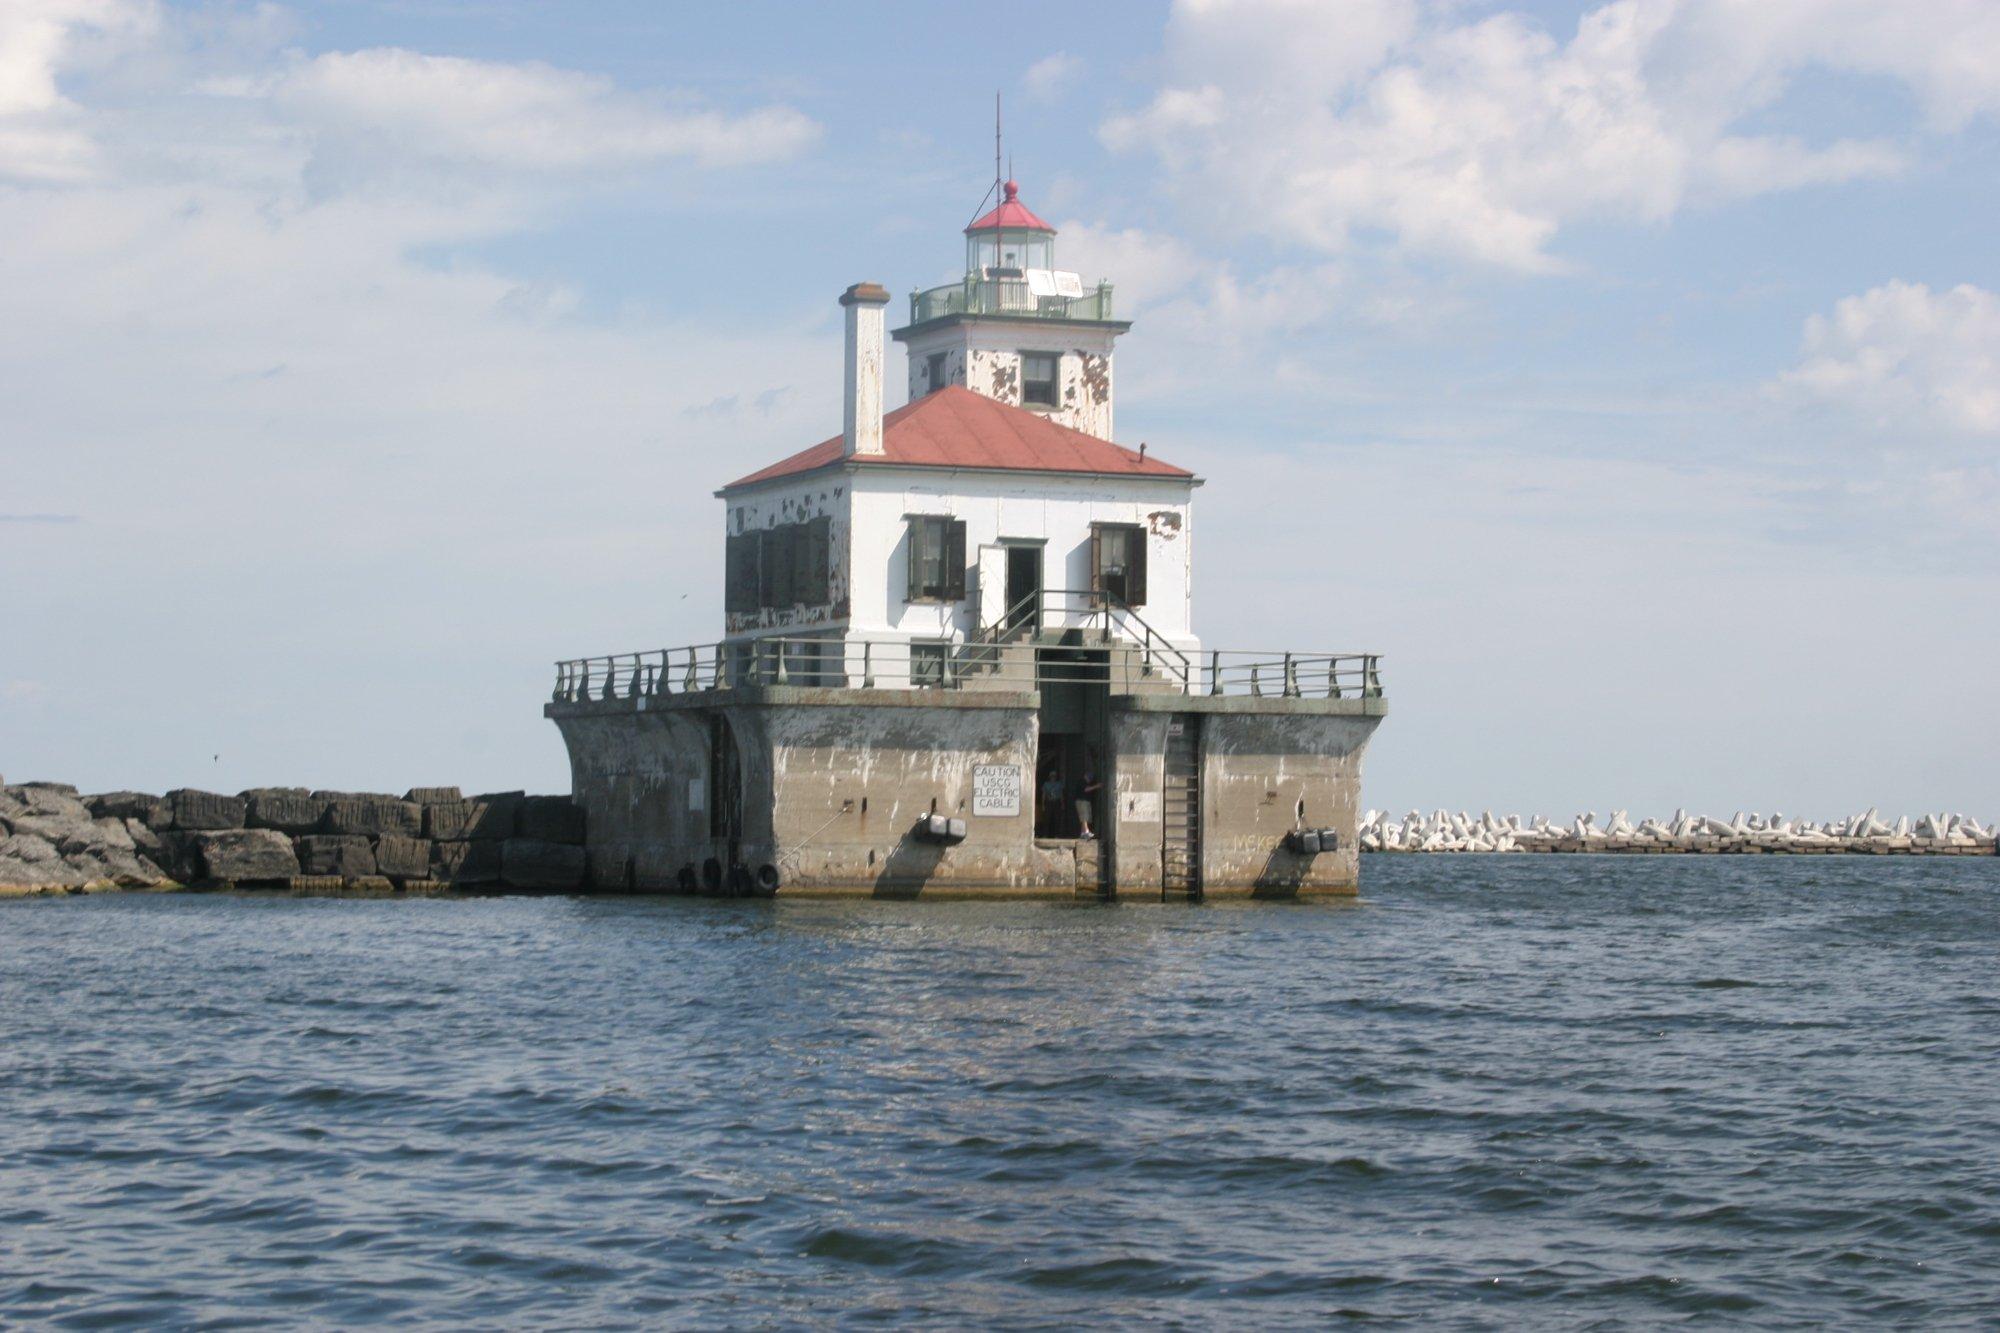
(908, 867)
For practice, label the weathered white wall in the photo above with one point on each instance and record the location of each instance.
(986, 358)
(993, 506)
(794, 501)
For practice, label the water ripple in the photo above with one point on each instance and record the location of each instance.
(1549, 1091)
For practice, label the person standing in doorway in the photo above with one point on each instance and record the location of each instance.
(1052, 801)
(1086, 804)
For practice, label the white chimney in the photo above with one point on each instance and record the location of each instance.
(861, 422)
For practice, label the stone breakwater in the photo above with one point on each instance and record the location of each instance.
(1867, 833)
(54, 839)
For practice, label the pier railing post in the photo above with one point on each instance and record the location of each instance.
(1291, 678)
(867, 664)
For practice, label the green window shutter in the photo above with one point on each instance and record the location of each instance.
(802, 558)
(777, 567)
(739, 581)
(1097, 558)
(916, 545)
(1135, 581)
(954, 560)
(819, 574)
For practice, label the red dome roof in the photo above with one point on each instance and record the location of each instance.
(1012, 214)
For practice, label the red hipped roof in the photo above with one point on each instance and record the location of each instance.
(957, 428)
(1011, 214)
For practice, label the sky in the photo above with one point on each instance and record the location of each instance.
(1625, 372)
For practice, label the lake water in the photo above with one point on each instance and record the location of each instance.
(1558, 1090)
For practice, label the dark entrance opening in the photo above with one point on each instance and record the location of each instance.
(1072, 760)
(1024, 584)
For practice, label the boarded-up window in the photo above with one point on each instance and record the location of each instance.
(739, 590)
(1118, 562)
(937, 559)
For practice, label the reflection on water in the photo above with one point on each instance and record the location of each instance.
(1497, 1090)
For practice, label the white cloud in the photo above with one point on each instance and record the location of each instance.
(231, 350)
(1049, 76)
(41, 137)
(1903, 356)
(527, 116)
(1482, 139)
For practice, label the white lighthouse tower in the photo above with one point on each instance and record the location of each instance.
(1016, 328)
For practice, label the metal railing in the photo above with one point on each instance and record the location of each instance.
(1120, 665)
(1055, 609)
(1006, 296)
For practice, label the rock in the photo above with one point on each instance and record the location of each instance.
(43, 800)
(205, 810)
(120, 866)
(532, 863)
(151, 810)
(403, 858)
(245, 856)
(254, 792)
(552, 819)
(347, 855)
(374, 817)
(66, 833)
(146, 839)
(178, 858)
(433, 795)
(353, 796)
(466, 862)
(481, 817)
(286, 811)
(31, 862)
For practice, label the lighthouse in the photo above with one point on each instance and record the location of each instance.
(957, 650)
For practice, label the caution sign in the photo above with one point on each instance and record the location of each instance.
(996, 789)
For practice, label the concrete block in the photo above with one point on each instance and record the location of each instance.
(245, 856)
(375, 817)
(205, 810)
(284, 811)
(551, 819)
(478, 818)
(316, 883)
(531, 863)
(433, 795)
(346, 855)
(403, 858)
(355, 796)
(466, 861)
(252, 793)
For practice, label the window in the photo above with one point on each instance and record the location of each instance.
(1038, 378)
(927, 663)
(1118, 562)
(934, 371)
(937, 559)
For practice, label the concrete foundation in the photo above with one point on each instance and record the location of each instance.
(821, 791)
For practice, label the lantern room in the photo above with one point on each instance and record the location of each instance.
(1009, 238)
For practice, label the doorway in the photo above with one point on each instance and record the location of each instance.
(1024, 582)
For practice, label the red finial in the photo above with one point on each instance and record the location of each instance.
(1013, 191)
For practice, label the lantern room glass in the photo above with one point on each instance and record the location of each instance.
(1009, 247)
